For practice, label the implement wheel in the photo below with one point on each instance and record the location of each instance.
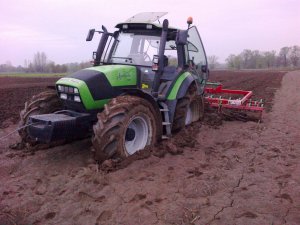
(126, 125)
(189, 109)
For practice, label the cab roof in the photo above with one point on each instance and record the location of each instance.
(143, 21)
(146, 17)
(142, 26)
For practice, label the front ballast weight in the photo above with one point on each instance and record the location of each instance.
(242, 108)
(63, 125)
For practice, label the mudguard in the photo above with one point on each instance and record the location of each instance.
(142, 94)
(181, 85)
(185, 86)
(178, 90)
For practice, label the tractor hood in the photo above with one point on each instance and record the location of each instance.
(101, 83)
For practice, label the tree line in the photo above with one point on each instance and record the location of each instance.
(41, 64)
(255, 59)
(247, 59)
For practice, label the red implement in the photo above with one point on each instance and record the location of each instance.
(234, 104)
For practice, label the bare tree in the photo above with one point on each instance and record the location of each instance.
(283, 55)
(246, 59)
(270, 58)
(294, 55)
(40, 61)
(213, 61)
(230, 61)
(234, 61)
(257, 60)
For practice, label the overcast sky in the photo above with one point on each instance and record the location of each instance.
(59, 27)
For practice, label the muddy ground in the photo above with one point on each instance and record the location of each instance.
(15, 91)
(235, 173)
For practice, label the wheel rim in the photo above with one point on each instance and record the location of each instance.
(137, 135)
(193, 113)
(188, 118)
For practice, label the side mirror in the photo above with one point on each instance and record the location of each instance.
(181, 37)
(90, 35)
(204, 68)
(94, 55)
(155, 62)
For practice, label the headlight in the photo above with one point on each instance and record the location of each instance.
(68, 93)
(77, 98)
(63, 96)
(70, 90)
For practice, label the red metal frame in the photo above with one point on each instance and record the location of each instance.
(243, 103)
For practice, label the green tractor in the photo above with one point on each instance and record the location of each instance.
(147, 82)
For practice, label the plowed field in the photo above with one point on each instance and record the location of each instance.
(233, 173)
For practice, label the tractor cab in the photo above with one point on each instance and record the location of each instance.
(159, 52)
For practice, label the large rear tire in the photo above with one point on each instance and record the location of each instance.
(189, 109)
(42, 103)
(126, 125)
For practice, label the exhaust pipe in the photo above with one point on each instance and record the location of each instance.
(159, 72)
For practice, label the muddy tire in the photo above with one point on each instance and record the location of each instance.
(189, 109)
(126, 125)
(42, 103)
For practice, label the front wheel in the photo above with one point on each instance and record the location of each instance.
(42, 103)
(126, 125)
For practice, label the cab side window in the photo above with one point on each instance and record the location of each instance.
(195, 52)
(171, 53)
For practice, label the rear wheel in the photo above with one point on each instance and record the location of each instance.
(126, 125)
(189, 109)
(42, 103)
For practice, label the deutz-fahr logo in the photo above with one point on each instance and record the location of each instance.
(124, 76)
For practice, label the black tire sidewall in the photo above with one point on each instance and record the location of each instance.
(110, 129)
(42, 103)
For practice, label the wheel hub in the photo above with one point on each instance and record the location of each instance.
(130, 134)
(137, 134)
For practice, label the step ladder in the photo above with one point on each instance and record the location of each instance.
(166, 120)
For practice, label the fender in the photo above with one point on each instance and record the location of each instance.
(185, 86)
(140, 93)
(178, 91)
(181, 86)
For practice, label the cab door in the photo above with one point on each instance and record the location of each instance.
(196, 58)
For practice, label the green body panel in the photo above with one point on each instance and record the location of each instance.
(118, 75)
(172, 95)
(85, 94)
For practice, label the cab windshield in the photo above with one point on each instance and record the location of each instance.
(135, 49)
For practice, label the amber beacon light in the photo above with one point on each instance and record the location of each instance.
(190, 20)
